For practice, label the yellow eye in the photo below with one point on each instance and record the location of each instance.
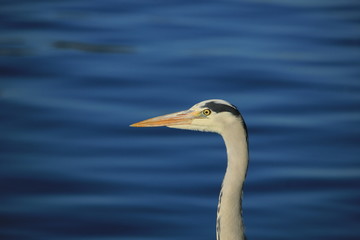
(206, 112)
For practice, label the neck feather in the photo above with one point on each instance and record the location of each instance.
(229, 220)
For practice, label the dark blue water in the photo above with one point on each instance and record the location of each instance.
(75, 74)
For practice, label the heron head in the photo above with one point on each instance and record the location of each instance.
(210, 115)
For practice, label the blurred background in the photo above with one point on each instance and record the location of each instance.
(74, 75)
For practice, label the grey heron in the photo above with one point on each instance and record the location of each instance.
(221, 117)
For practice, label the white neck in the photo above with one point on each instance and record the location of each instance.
(229, 224)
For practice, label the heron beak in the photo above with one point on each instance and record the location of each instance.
(179, 118)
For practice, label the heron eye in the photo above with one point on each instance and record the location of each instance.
(206, 112)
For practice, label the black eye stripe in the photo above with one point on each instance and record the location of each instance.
(219, 107)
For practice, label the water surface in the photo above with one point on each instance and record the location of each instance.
(75, 74)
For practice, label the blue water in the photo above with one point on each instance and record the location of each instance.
(75, 74)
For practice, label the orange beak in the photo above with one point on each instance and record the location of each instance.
(179, 118)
